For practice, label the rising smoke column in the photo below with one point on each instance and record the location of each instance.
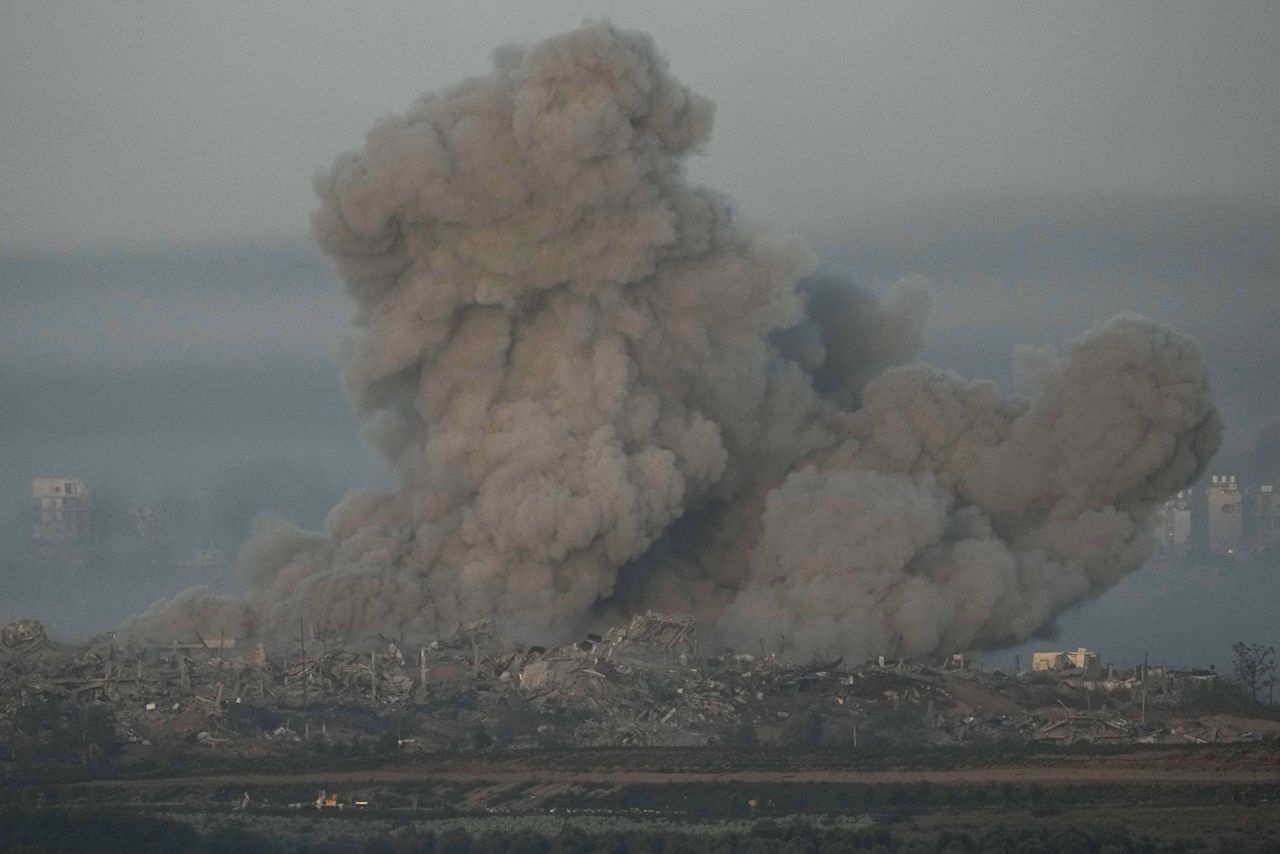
(599, 393)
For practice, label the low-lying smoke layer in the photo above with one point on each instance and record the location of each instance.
(600, 393)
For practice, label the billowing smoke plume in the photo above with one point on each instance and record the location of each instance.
(600, 393)
(1262, 463)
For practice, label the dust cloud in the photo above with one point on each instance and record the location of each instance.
(600, 392)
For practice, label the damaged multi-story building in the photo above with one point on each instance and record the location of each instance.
(1084, 660)
(1225, 514)
(1175, 522)
(61, 517)
(1266, 515)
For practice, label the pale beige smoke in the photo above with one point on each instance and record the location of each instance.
(599, 393)
(194, 613)
(951, 519)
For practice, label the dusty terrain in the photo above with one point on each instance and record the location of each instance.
(619, 768)
(634, 730)
(1200, 797)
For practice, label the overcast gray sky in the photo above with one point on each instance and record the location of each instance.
(145, 125)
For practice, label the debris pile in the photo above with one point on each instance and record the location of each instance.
(650, 637)
(24, 636)
(643, 683)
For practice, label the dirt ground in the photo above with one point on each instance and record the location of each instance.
(1207, 797)
(617, 768)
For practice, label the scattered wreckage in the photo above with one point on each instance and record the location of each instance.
(642, 683)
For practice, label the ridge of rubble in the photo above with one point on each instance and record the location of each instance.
(642, 683)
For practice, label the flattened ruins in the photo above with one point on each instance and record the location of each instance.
(645, 683)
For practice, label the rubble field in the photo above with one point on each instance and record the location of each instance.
(644, 684)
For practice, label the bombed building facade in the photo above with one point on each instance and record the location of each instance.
(1084, 660)
(1266, 515)
(1226, 514)
(61, 515)
(1228, 517)
(1175, 521)
(61, 511)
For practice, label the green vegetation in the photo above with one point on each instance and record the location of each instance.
(92, 831)
(744, 800)
(45, 730)
(1255, 670)
(86, 832)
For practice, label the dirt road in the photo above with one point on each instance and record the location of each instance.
(1260, 767)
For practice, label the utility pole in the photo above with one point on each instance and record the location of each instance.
(1144, 688)
(302, 642)
(373, 673)
(222, 645)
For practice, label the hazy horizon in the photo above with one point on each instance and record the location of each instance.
(198, 392)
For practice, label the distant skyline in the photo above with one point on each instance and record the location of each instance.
(146, 126)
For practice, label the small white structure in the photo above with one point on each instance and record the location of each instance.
(1225, 514)
(1078, 659)
(62, 510)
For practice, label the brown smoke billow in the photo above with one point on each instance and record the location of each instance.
(601, 394)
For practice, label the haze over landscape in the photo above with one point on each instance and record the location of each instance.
(171, 337)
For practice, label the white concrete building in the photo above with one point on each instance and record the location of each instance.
(1175, 521)
(62, 510)
(1266, 514)
(1225, 514)
(1078, 659)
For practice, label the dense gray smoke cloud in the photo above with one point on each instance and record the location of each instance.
(1262, 463)
(600, 393)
